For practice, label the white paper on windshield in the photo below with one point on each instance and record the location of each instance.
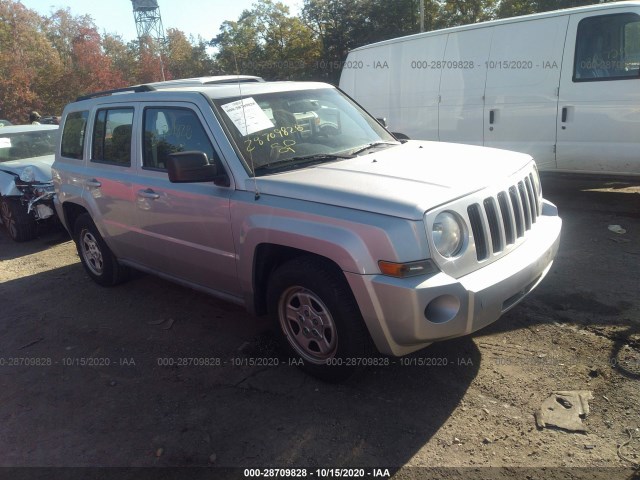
(247, 116)
(5, 142)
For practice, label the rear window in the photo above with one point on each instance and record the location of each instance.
(112, 136)
(73, 135)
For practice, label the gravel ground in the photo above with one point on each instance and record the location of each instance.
(464, 403)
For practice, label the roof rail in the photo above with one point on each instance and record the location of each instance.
(177, 83)
(105, 93)
(203, 81)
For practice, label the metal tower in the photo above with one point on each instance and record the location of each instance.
(146, 14)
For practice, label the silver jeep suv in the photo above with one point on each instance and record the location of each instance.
(289, 199)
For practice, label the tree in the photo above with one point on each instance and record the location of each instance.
(342, 25)
(28, 63)
(513, 8)
(187, 57)
(150, 62)
(123, 56)
(86, 67)
(268, 42)
(465, 12)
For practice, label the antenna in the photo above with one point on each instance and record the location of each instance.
(146, 14)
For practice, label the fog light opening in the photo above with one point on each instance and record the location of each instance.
(442, 309)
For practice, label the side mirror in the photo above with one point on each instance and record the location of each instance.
(400, 136)
(192, 167)
(382, 121)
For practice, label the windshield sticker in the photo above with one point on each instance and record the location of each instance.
(5, 142)
(247, 116)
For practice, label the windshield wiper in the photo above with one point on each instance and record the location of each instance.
(302, 159)
(371, 145)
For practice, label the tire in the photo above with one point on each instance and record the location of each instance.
(96, 257)
(20, 225)
(318, 318)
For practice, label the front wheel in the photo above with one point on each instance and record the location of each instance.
(20, 225)
(319, 320)
(96, 257)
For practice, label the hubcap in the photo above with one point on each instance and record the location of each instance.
(8, 221)
(308, 325)
(91, 252)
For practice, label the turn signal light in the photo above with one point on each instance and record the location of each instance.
(409, 269)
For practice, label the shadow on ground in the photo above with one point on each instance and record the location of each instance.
(118, 385)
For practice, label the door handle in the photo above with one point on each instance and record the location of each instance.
(565, 111)
(492, 117)
(93, 183)
(148, 193)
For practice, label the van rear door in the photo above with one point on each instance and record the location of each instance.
(599, 107)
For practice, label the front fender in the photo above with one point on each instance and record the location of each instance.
(352, 239)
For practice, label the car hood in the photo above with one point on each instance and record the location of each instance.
(402, 181)
(41, 167)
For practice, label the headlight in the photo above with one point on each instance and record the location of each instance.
(27, 175)
(448, 234)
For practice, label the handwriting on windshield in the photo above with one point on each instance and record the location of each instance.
(286, 134)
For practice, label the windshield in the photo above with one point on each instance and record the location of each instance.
(294, 129)
(19, 145)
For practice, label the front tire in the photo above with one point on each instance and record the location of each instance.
(97, 258)
(318, 318)
(20, 225)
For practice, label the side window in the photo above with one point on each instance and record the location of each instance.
(112, 136)
(607, 48)
(170, 130)
(73, 135)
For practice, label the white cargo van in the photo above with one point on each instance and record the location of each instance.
(562, 86)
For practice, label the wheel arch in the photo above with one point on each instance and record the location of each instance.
(267, 258)
(71, 211)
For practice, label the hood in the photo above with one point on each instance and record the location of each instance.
(402, 181)
(41, 167)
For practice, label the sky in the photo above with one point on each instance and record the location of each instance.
(193, 17)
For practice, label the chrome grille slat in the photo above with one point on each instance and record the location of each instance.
(535, 194)
(517, 211)
(525, 206)
(478, 230)
(490, 210)
(532, 199)
(508, 221)
(501, 219)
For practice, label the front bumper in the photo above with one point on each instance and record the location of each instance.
(396, 310)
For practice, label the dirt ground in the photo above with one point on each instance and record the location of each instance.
(84, 379)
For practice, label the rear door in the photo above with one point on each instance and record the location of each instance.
(599, 113)
(109, 174)
(185, 228)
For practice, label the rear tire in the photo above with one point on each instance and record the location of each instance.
(19, 224)
(97, 258)
(318, 318)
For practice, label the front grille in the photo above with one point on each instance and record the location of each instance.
(504, 218)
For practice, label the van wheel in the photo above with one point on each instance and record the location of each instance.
(20, 225)
(96, 257)
(319, 320)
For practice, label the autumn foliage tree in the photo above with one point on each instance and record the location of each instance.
(29, 64)
(47, 61)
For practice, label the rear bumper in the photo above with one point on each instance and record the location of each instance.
(404, 315)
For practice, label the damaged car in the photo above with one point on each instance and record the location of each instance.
(26, 189)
